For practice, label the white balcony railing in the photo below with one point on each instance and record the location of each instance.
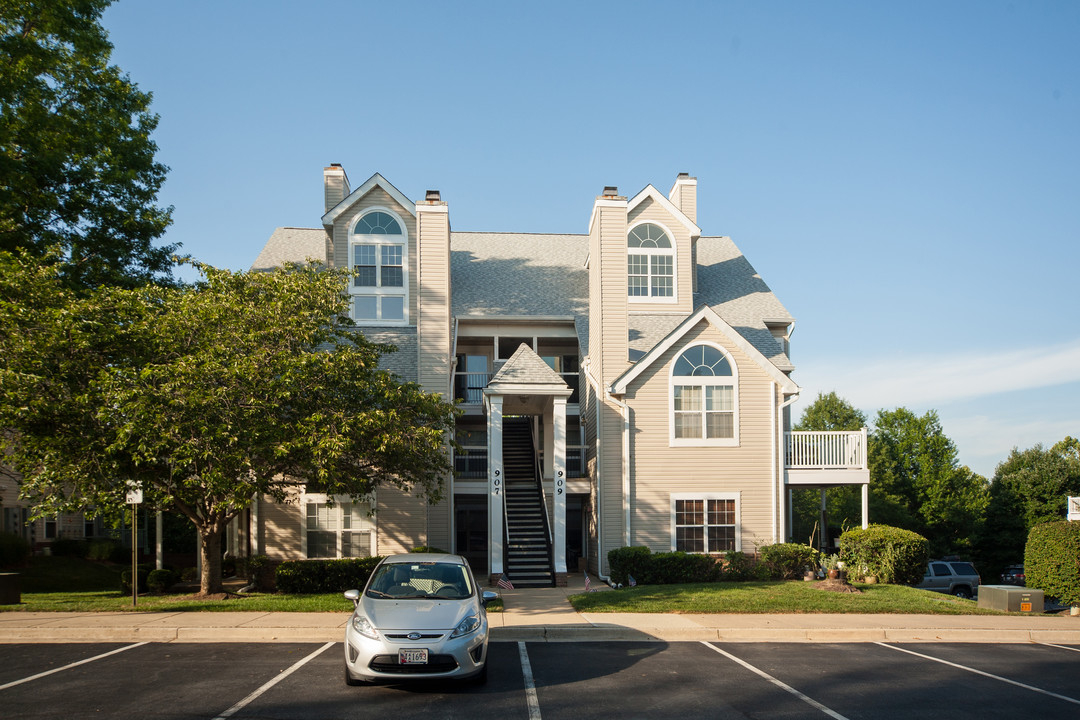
(825, 450)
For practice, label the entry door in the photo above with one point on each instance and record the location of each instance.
(471, 531)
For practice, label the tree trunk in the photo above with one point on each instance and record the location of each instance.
(210, 547)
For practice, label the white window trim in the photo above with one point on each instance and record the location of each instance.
(673, 252)
(674, 380)
(706, 497)
(378, 291)
(370, 524)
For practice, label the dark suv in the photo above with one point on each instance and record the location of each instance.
(954, 577)
(1014, 575)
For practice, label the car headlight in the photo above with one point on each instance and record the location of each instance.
(466, 626)
(363, 626)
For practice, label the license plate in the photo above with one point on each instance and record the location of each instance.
(413, 656)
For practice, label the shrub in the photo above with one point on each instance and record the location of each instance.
(681, 567)
(14, 550)
(125, 579)
(189, 575)
(69, 547)
(102, 549)
(627, 561)
(324, 576)
(160, 581)
(427, 549)
(892, 554)
(1052, 560)
(259, 571)
(788, 561)
(738, 565)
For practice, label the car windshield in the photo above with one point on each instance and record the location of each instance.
(430, 580)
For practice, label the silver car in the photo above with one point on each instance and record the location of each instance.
(421, 615)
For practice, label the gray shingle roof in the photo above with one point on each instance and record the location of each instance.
(525, 367)
(521, 274)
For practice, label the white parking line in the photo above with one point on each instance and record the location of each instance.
(808, 700)
(1066, 698)
(271, 683)
(13, 683)
(530, 686)
(1061, 647)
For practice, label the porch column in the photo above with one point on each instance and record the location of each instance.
(865, 502)
(496, 485)
(559, 466)
(549, 446)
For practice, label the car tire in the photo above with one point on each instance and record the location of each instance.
(350, 680)
(962, 592)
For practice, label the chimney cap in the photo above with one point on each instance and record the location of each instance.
(684, 175)
(335, 164)
(610, 191)
(433, 196)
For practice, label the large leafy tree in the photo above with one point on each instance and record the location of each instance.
(827, 412)
(917, 483)
(1028, 488)
(77, 168)
(243, 384)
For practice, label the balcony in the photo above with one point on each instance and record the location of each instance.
(469, 386)
(813, 457)
(471, 462)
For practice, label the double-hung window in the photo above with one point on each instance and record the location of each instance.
(650, 263)
(378, 252)
(704, 523)
(704, 398)
(337, 531)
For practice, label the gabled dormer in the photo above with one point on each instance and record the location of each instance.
(372, 231)
(659, 250)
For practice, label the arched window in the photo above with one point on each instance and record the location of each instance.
(704, 397)
(378, 252)
(650, 262)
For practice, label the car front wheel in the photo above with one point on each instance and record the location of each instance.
(962, 592)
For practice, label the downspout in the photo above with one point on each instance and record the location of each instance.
(779, 509)
(586, 366)
(625, 412)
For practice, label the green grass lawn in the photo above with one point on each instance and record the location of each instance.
(793, 596)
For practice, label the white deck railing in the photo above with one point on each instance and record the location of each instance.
(825, 450)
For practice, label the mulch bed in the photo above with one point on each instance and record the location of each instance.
(836, 586)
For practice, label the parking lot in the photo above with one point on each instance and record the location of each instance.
(552, 680)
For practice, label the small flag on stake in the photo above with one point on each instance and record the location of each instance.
(630, 579)
(504, 583)
(587, 588)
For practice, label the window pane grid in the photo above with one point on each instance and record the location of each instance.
(705, 525)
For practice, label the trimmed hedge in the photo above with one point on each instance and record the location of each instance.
(161, 581)
(14, 550)
(324, 576)
(1052, 560)
(892, 554)
(125, 579)
(788, 561)
(69, 547)
(427, 549)
(678, 567)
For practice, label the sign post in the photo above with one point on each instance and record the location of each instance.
(1074, 509)
(134, 498)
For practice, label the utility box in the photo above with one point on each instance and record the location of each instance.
(1011, 598)
(9, 589)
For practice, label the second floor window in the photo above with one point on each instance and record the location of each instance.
(704, 398)
(377, 256)
(650, 262)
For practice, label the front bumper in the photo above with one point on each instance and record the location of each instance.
(377, 659)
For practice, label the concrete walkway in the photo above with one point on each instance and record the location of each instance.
(545, 615)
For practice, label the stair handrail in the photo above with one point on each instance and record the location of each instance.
(538, 475)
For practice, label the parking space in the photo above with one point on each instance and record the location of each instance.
(579, 680)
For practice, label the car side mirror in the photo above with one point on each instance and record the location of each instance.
(353, 595)
(487, 597)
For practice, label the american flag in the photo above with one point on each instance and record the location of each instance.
(630, 580)
(587, 588)
(504, 583)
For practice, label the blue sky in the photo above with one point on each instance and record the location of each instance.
(905, 176)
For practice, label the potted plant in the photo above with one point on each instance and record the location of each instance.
(832, 566)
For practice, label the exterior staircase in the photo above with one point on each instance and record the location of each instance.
(528, 544)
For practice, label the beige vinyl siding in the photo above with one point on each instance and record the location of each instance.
(401, 519)
(660, 469)
(438, 523)
(282, 524)
(433, 317)
(650, 211)
(343, 227)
